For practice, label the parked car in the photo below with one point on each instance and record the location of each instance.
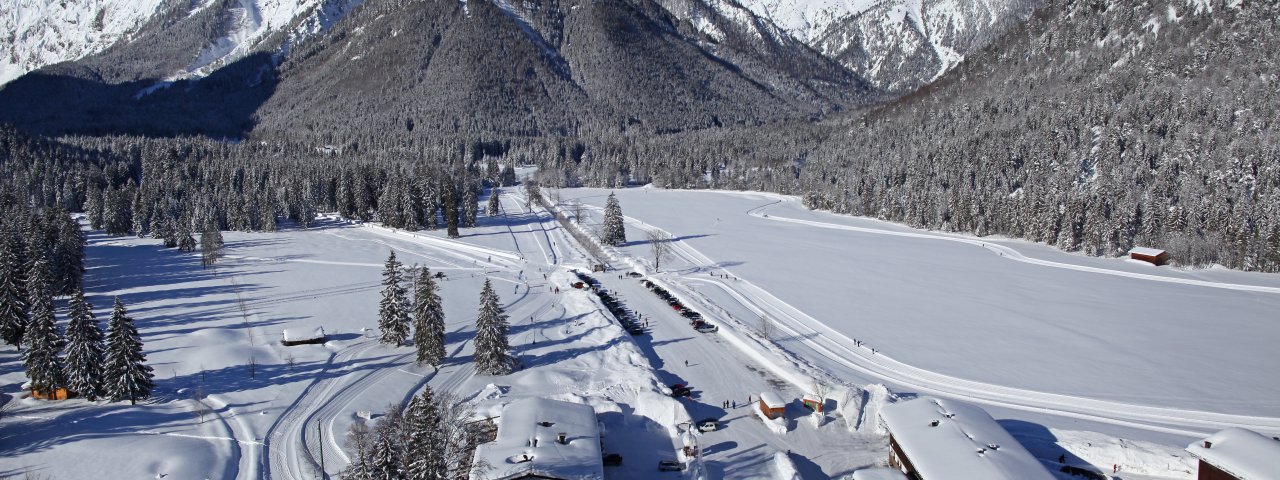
(670, 466)
(707, 328)
(708, 425)
(634, 274)
(612, 459)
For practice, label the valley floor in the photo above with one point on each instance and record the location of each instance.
(1102, 360)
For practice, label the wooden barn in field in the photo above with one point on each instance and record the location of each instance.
(936, 439)
(1237, 454)
(1153, 256)
(771, 405)
(302, 336)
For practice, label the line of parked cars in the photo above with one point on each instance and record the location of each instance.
(614, 304)
(695, 318)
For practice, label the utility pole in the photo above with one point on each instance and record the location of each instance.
(321, 432)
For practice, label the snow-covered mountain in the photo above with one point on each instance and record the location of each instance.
(44, 32)
(896, 45)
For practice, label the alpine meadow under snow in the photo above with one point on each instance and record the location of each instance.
(637, 239)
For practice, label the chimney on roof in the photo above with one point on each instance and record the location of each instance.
(933, 423)
(1208, 444)
(563, 438)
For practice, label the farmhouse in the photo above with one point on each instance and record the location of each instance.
(301, 336)
(935, 439)
(544, 439)
(771, 405)
(1153, 255)
(1237, 454)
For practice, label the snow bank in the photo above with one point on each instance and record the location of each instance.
(664, 410)
(783, 468)
(775, 425)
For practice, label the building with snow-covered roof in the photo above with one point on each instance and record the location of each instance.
(303, 336)
(1237, 454)
(1152, 255)
(771, 405)
(936, 439)
(544, 439)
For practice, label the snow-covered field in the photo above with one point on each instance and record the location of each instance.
(1056, 345)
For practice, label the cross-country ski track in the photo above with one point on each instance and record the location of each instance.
(836, 348)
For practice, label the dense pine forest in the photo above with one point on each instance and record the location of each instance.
(1093, 127)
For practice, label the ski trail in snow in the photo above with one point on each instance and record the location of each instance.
(842, 350)
(1011, 254)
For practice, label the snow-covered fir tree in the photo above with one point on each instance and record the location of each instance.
(14, 312)
(85, 349)
(613, 232)
(470, 205)
(386, 457)
(126, 374)
(43, 340)
(393, 310)
(69, 253)
(428, 320)
(492, 208)
(492, 347)
(425, 449)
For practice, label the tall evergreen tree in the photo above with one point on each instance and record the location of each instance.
(126, 372)
(85, 349)
(470, 205)
(43, 340)
(425, 449)
(428, 318)
(613, 231)
(14, 311)
(386, 459)
(492, 208)
(70, 253)
(449, 199)
(492, 347)
(393, 310)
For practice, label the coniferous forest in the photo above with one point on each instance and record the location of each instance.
(1089, 127)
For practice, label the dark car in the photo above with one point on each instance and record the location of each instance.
(670, 466)
(634, 274)
(612, 459)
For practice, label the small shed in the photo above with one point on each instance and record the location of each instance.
(771, 405)
(814, 402)
(1237, 454)
(1154, 256)
(936, 439)
(57, 394)
(303, 336)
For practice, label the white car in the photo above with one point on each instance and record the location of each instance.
(708, 425)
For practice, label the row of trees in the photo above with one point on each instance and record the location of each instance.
(84, 361)
(426, 315)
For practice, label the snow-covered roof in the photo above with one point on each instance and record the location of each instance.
(966, 443)
(1244, 453)
(881, 473)
(299, 334)
(527, 442)
(1150, 252)
(772, 400)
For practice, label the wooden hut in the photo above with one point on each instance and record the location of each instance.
(1153, 256)
(300, 336)
(814, 402)
(58, 394)
(1236, 454)
(771, 405)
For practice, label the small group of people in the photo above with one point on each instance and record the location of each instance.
(730, 404)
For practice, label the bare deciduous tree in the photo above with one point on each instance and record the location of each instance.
(766, 327)
(660, 244)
